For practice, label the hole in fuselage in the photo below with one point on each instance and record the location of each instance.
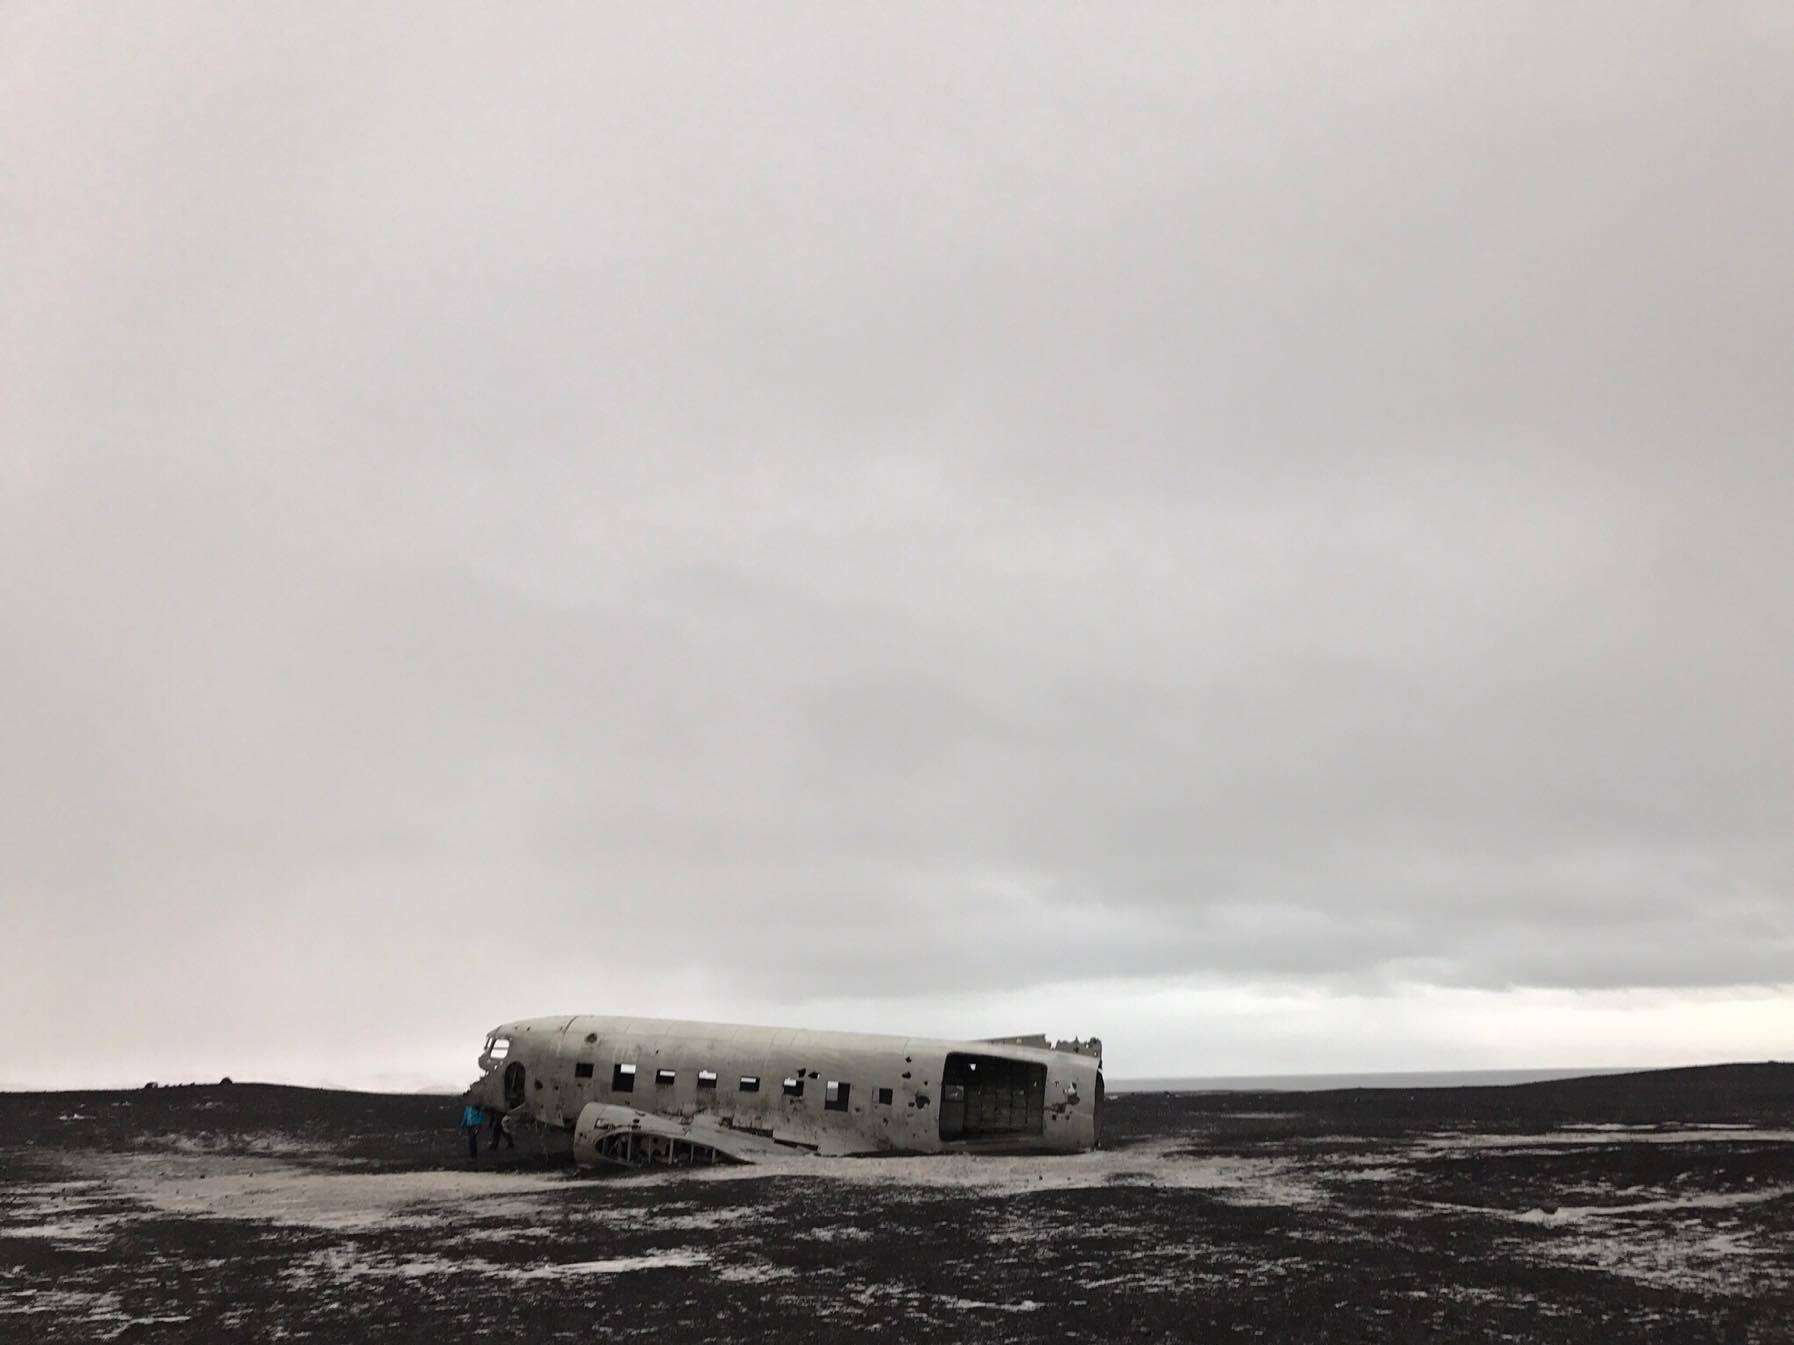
(988, 1097)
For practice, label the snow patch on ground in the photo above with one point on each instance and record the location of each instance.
(264, 1143)
(1167, 1164)
(69, 1213)
(915, 1302)
(270, 1191)
(338, 1263)
(755, 1272)
(617, 1265)
(836, 1233)
(1700, 1200)
(101, 1314)
(1677, 1256)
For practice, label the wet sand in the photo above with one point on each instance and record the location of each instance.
(1633, 1207)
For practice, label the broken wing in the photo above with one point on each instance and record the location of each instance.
(608, 1132)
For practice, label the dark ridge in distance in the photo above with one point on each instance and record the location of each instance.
(1736, 1094)
(1334, 1081)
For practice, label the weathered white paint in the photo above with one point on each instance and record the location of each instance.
(540, 1059)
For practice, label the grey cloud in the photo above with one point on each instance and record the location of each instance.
(892, 499)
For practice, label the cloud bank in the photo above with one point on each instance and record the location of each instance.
(909, 518)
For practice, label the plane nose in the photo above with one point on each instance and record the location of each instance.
(482, 1093)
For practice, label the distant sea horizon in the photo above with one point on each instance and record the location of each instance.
(1315, 1083)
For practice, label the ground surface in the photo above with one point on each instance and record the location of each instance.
(1634, 1207)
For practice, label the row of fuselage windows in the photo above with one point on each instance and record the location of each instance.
(835, 1092)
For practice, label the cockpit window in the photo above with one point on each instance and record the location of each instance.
(498, 1047)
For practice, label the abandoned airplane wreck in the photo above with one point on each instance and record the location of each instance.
(633, 1091)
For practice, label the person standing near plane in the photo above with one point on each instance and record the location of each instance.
(501, 1130)
(472, 1119)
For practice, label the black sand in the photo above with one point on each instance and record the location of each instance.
(1634, 1207)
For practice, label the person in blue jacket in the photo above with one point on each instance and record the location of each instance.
(472, 1119)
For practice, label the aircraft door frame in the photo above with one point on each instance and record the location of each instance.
(560, 1082)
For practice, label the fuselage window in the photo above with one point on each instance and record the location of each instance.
(883, 1097)
(750, 1083)
(794, 1087)
(706, 1078)
(583, 1070)
(622, 1079)
(834, 1095)
(663, 1076)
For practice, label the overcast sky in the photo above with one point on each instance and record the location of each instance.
(1264, 532)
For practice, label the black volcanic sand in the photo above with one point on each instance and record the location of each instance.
(1654, 1206)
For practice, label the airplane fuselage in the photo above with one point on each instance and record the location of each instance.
(829, 1092)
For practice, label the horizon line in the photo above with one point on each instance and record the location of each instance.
(1155, 1082)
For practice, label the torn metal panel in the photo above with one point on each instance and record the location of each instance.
(633, 1090)
(1090, 1046)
